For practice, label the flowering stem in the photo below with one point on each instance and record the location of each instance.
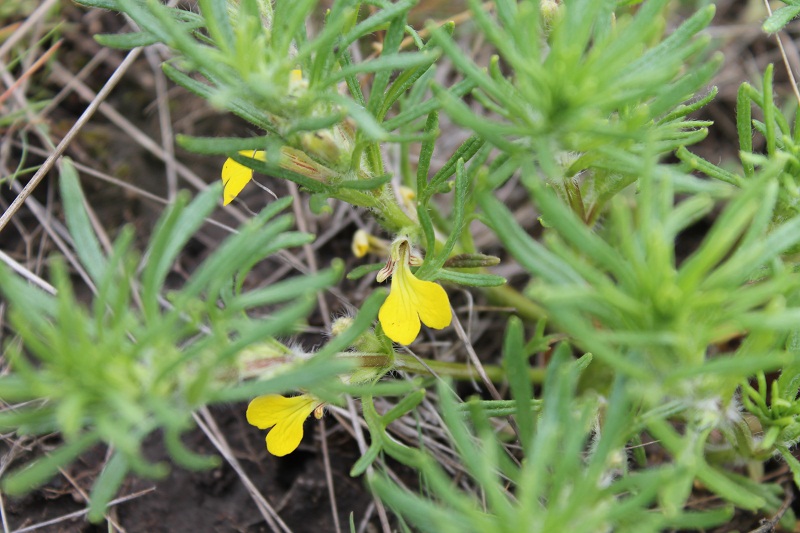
(392, 217)
(418, 365)
(506, 295)
(463, 371)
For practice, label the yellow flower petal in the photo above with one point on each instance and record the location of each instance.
(360, 244)
(398, 314)
(410, 300)
(433, 304)
(235, 175)
(284, 438)
(287, 415)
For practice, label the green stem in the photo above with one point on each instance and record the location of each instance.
(457, 370)
(509, 297)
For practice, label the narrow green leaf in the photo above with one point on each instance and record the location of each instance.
(366, 460)
(721, 483)
(221, 145)
(711, 170)
(433, 262)
(126, 41)
(383, 64)
(381, 18)
(215, 13)
(517, 366)
(469, 279)
(34, 474)
(471, 261)
(238, 106)
(457, 91)
(185, 457)
(744, 127)
(403, 407)
(768, 108)
(425, 153)
(792, 462)
(531, 254)
(87, 246)
(780, 18)
(466, 151)
(106, 486)
(471, 70)
(288, 289)
(427, 230)
(362, 270)
(173, 230)
(366, 184)
(100, 4)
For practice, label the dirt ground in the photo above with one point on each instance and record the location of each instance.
(125, 152)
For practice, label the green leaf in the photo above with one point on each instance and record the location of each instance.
(457, 91)
(465, 152)
(780, 18)
(792, 462)
(768, 107)
(100, 4)
(744, 127)
(362, 270)
(515, 361)
(469, 279)
(434, 261)
(365, 184)
(86, 243)
(126, 41)
(244, 109)
(426, 152)
(222, 145)
(698, 163)
(384, 64)
(723, 484)
(184, 456)
(106, 486)
(33, 475)
(366, 460)
(215, 13)
(289, 289)
(174, 229)
(471, 261)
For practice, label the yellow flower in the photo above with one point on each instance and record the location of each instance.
(296, 79)
(360, 244)
(235, 175)
(410, 299)
(287, 415)
(364, 243)
(407, 198)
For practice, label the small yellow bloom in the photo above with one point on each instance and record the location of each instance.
(364, 243)
(235, 175)
(287, 415)
(295, 77)
(408, 197)
(411, 300)
(360, 244)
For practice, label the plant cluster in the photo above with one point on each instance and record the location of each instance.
(580, 111)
